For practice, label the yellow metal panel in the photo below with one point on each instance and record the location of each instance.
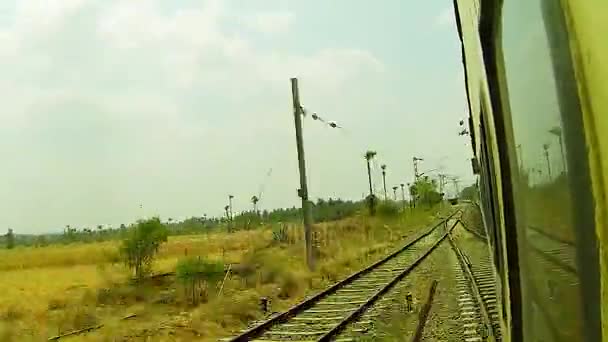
(588, 20)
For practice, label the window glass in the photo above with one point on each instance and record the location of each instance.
(546, 232)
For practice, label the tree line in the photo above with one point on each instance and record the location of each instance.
(323, 210)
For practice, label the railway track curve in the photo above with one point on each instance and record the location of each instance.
(344, 308)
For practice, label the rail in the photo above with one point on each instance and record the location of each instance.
(263, 327)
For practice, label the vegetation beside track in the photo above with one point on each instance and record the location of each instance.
(55, 289)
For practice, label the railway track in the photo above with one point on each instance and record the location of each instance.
(346, 310)
(477, 298)
(559, 252)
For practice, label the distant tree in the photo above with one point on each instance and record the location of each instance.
(10, 239)
(470, 192)
(140, 247)
(41, 241)
(425, 189)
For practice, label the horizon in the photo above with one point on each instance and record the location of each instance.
(107, 122)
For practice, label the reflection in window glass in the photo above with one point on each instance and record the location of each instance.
(550, 280)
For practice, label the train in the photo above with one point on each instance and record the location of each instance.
(535, 77)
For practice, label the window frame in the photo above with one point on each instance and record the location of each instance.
(490, 29)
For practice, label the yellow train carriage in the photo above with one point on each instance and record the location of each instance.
(536, 78)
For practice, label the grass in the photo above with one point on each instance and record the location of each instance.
(53, 289)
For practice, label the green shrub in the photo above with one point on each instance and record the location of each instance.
(140, 247)
(195, 274)
(280, 234)
(387, 209)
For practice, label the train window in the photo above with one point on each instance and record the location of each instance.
(559, 267)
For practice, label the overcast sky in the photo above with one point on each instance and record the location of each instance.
(172, 105)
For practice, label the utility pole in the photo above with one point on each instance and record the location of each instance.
(456, 181)
(521, 157)
(369, 155)
(383, 167)
(441, 182)
(546, 148)
(230, 197)
(403, 195)
(416, 160)
(558, 132)
(227, 208)
(303, 191)
(416, 175)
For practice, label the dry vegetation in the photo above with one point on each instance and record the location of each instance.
(52, 290)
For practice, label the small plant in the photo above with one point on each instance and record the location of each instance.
(388, 209)
(195, 274)
(140, 247)
(10, 239)
(280, 234)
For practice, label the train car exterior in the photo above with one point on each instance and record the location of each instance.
(538, 105)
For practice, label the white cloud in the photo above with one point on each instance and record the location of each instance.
(96, 83)
(84, 48)
(446, 17)
(269, 23)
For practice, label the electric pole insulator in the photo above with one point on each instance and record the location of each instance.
(300, 193)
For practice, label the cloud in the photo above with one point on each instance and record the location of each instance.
(123, 52)
(269, 23)
(123, 98)
(446, 18)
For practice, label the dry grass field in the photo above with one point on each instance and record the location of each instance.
(60, 288)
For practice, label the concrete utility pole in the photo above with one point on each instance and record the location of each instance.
(521, 156)
(546, 148)
(383, 167)
(441, 182)
(303, 191)
(403, 194)
(416, 160)
(227, 208)
(456, 181)
(230, 197)
(369, 155)
(558, 132)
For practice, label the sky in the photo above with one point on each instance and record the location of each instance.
(115, 110)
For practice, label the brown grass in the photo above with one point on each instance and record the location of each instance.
(59, 288)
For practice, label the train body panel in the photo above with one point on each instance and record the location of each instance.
(588, 19)
(536, 91)
(484, 142)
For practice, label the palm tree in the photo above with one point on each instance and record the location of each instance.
(383, 167)
(403, 194)
(227, 208)
(255, 200)
(395, 192)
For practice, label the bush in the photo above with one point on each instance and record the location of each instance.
(280, 234)
(195, 275)
(10, 239)
(388, 209)
(142, 244)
